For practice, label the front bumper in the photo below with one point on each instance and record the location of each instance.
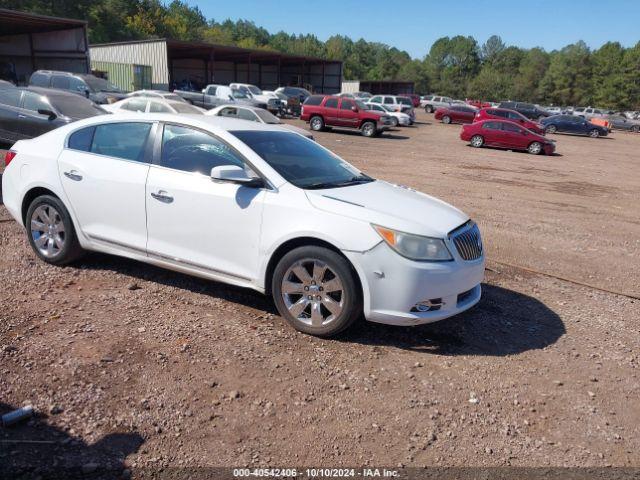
(549, 149)
(393, 285)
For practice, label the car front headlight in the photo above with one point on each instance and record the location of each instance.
(415, 247)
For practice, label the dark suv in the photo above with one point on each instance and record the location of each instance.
(94, 88)
(323, 111)
(529, 110)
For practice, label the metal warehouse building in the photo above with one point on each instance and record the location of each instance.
(174, 61)
(29, 42)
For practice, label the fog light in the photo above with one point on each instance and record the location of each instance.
(428, 305)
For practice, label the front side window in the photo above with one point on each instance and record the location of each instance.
(34, 102)
(125, 140)
(159, 107)
(60, 81)
(515, 115)
(135, 105)
(192, 150)
(508, 127)
(39, 80)
(301, 161)
(347, 104)
(388, 101)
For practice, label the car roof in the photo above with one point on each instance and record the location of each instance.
(53, 92)
(211, 123)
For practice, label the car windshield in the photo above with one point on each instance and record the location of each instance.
(174, 97)
(301, 161)
(100, 84)
(183, 107)
(70, 106)
(267, 117)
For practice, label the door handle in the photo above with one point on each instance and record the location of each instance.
(21, 116)
(73, 175)
(162, 196)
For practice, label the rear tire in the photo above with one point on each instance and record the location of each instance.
(635, 128)
(594, 133)
(316, 291)
(446, 119)
(368, 129)
(477, 141)
(535, 148)
(394, 122)
(50, 231)
(316, 123)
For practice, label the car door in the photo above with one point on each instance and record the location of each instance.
(492, 134)
(103, 170)
(193, 221)
(9, 109)
(513, 136)
(33, 123)
(348, 113)
(331, 111)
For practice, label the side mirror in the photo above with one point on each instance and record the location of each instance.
(354, 109)
(87, 92)
(235, 174)
(48, 113)
(204, 90)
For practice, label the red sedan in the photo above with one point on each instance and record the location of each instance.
(512, 116)
(456, 114)
(505, 134)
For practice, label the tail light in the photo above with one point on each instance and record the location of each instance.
(10, 155)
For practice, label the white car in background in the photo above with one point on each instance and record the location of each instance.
(254, 114)
(157, 94)
(247, 204)
(397, 118)
(395, 103)
(433, 102)
(143, 104)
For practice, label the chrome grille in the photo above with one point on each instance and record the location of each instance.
(468, 241)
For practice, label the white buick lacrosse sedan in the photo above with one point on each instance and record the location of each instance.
(248, 204)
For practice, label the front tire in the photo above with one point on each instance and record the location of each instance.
(635, 128)
(368, 129)
(394, 122)
(551, 129)
(535, 148)
(477, 141)
(315, 290)
(446, 119)
(316, 124)
(428, 109)
(50, 230)
(594, 133)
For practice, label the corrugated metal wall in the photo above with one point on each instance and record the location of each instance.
(143, 53)
(350, 86)
(124, 75)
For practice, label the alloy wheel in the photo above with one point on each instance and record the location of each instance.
(47, 230)
(477, 141)
(312, 292)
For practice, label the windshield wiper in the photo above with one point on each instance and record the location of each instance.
(344, 183)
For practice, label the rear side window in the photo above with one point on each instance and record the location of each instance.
(81, 140)
(313, 100)
(60, 81)
(39, 80)
(191, 150)
(388, 101)
(121, 140)
(331, 103)
(492, 126)
(10, 97)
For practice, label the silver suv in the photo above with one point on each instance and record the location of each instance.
(433, 102)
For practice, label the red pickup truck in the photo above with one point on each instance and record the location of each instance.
(322, 111)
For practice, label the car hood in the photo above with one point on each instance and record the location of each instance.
(392, 206)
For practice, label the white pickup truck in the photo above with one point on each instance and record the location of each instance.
(274, 105)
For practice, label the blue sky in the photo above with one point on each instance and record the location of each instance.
(413, 25)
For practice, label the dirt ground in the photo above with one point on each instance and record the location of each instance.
(133, 369)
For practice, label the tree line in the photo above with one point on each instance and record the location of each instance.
(456, 66)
